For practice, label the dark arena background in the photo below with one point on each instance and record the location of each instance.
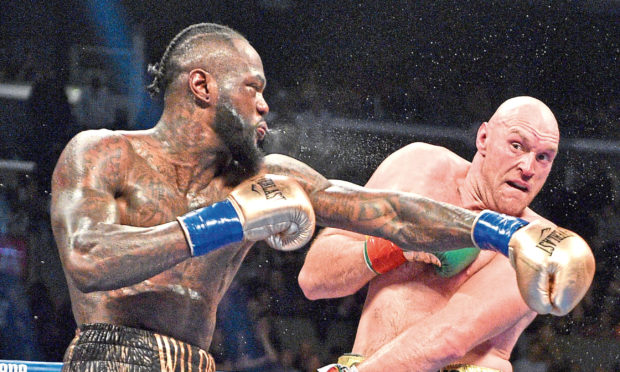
(349, 82)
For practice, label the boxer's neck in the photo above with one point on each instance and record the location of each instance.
(472, 191)
(187, 143)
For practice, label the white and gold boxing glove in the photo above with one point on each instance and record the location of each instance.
(276, 209)
(268, 207)
(554, 266)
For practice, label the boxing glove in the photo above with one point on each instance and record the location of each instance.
(381, 255)
(453, 262)
(554, 266)
(268, 207)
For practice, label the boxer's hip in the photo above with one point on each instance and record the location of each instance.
(105, 347)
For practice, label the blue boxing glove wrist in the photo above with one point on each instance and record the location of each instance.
(209, 228)
(492, 231)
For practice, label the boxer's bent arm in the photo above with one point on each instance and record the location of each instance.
(334, 266)
(409, 220)
(485, 306)
(320, 277)
(100, 255)
(97, 252)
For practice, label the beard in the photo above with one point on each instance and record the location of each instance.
(244, 157)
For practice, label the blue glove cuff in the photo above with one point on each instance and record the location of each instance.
(212, 227)
(492, 230)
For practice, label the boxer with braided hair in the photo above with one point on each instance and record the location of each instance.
(163, 71)
(152, 225)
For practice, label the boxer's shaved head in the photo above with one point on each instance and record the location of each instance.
(530, 110)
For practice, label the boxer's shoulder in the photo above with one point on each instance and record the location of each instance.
(274, 162)
(100, 142)
(94, 155)
(423, 155)
(415, 166)
(284, 165)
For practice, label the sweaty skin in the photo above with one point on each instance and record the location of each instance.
(116, 196)
(413, 319)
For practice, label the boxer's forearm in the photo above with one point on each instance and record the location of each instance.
(109, 256)
(423, 347)
(485, 306)
(409, 220)
(334, 267)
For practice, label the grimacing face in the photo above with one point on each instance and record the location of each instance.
(519, 157)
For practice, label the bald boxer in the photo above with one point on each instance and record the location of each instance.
(152, 225)
(460, 310)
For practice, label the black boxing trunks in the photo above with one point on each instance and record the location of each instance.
(105, 347)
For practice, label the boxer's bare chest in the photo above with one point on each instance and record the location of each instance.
(415, 290)
(156, 192)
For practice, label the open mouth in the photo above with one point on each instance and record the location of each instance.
(261, 130)
(517, 186)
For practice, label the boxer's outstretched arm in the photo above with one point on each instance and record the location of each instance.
(411, 221)
(97, 251)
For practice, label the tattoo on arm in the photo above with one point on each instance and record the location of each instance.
(97, 251)
(411, 221)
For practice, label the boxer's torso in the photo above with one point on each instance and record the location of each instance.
(412, 292)
(180, 302)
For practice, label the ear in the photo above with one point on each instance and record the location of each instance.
(203, 85)
(482, 137)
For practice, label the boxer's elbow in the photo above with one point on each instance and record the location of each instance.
(319, 286)
(83, 267)
(82, 273)
(458, 341)
(308, 285)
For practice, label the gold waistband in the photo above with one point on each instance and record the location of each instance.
(466, 368)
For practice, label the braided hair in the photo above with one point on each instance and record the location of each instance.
(166, 69)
